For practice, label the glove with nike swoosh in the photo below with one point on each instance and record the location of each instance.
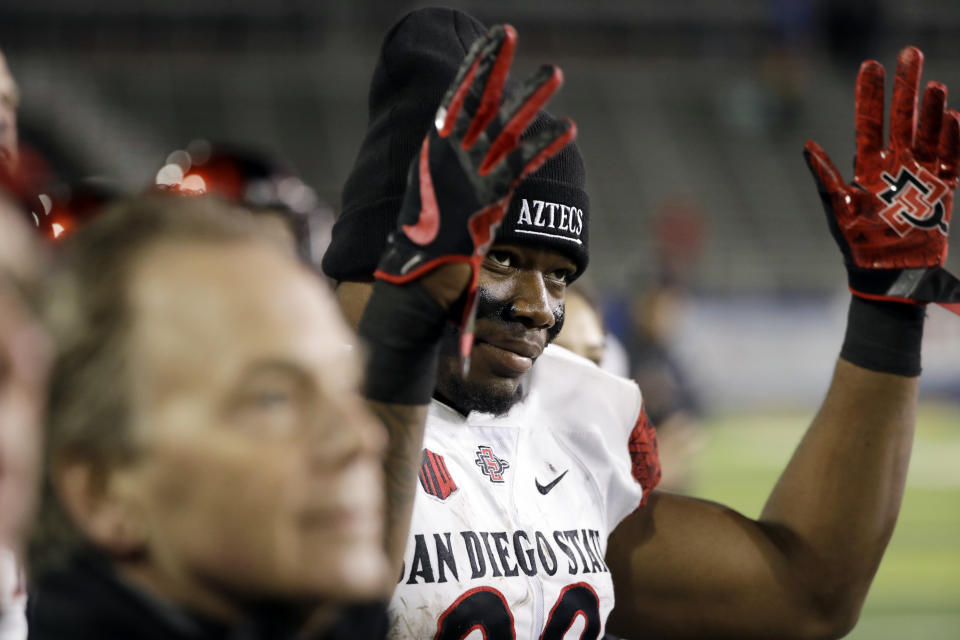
(460, 183)
(891, 222)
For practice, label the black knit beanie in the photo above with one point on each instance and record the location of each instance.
(550, 207)
(418, 61)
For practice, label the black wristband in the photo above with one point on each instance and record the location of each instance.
(401, 326)
(884, 336)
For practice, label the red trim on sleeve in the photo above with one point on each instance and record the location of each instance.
(644, 456)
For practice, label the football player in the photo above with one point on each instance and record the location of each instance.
(535, 510)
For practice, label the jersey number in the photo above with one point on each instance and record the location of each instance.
(486, 609)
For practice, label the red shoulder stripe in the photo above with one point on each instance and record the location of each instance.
(644, 456)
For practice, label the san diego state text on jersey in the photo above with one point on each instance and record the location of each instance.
(503, 553)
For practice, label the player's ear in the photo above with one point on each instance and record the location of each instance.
(102, 502)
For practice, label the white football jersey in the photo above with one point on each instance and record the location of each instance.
(512, 512)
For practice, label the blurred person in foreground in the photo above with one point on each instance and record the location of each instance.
(211, 470)
(537, 511)
(23, 363)
(24, 359)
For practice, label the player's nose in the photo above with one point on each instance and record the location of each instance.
(531, 300)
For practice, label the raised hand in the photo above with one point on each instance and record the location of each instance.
(459, 185)
(892, 221)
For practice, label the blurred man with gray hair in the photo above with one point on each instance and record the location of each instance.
(211, 468)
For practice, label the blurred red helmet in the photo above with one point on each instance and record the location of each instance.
(248, 178)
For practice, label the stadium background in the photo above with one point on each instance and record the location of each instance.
(692, 117)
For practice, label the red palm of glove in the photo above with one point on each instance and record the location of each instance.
(896, 213)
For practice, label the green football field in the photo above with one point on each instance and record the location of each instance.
(916, 593)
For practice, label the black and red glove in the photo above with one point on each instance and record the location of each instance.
(892, 221)
(459, 185)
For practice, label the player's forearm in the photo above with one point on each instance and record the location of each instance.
(402, 327)
(834, 508)
(404, 425)
(837, 502)
(802, 570)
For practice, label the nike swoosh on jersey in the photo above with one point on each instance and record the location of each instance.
(428, 224)
(545, 489)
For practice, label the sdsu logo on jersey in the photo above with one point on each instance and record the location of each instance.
(490, 465)
(914, 201)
